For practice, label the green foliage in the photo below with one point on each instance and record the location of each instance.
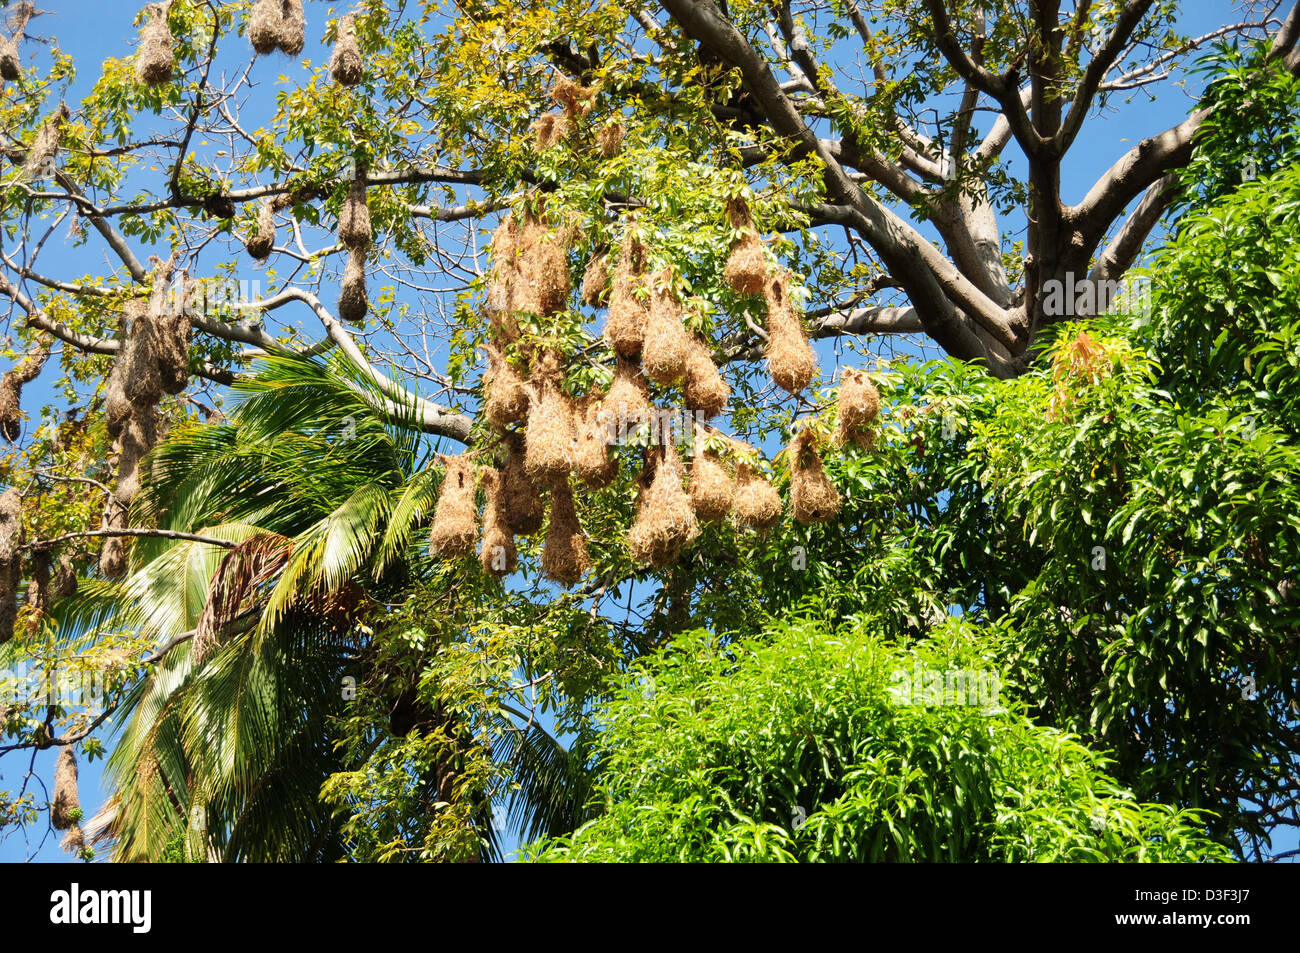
(796, 748)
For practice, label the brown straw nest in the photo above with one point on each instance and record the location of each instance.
(497, 554)
(45, 146)
(665, 522)
(857, 407)
(354, 216)
(548, 443)
(455, 520)
(346, 65)
(549, 129)
(10, 65)
(595, 281)
(746, 268)
(260, 243)
(702, 384)
(541, 280)
(757, 504)
(507, 395)
(353, 302)
(11, 560)
(666, 343)
(610, 138)
(625, 327)
(573, 96)
(278, 23)
(592, 460)
(64, 584)
(154, 62)
(11, 390)
(521, 503)
(628, 400)
(38, 589)
(65, 805)
(812, 494)
(790, 358)
(564, 554)
(713, 491)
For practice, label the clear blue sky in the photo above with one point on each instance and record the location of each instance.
(91, 30)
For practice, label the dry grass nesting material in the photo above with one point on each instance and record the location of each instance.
(354, 216)
(278, 23)
(610, 138)
(353, 303)
(592, 460)
(572, 95)
(541, 281)
(11, 389)
(139, 435)
(11, 565)
(549, 130)
(112, 556)
(293, 27)
(666, 343)
(137, 361)
(625, 326)
(857, 407)
(507, 396)
(497, 554)
(713, 491)
(346, 65)
(501, 281)
(172, 328)
(154, 61)
(746, 269)
(665, 523)
(64, 584)
(521, 502)
(757, 504)
(260, 243)
(45, 146)
(790, 358)
(548, 447)
(703, 386)
(455, 520)
(65, 805)
(595, 281)
(38, 587)
(564, 554)
(74, 841)
(812, 494)
(10, 66)
(628, 399)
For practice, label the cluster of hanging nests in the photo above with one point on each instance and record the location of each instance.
(548, 440)
(282, 25)
(153, 360)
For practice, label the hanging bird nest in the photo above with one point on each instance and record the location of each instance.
(521, 502)
(260, 243)
(154, 62)
(74, 841)
(703, 386)
(790, 358)
(564, 554)
(11, 563)
(497, 554)
(65, 805)
(64, 584)
(38, 590)
(610, 138)
(172, 329)
(11, 390)
(665, 522)
(549, 129)
(625, 326)
(746, 268)
(573, 96)
(455, 520)
(813, 496)
(346, 65)
(354, 216)
(278, 23)
(505, 245)
(507, 395)
(666, 343)
(139, 435)
(628, 399)
(139, 357)
(595, 281)
(757, 505)
(857, 407)
(293, 27)
(10, 65)
(45, 146)
(353, 303)
(592, 460)
(548, 453)
(713, 491)
(541, 279)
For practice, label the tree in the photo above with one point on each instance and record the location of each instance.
(676, 145)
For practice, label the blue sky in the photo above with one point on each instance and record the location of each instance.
(91, 30)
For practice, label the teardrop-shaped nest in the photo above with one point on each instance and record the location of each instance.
(507, 395)
(813, 496)
(703, 386)
(665, 523)
(790, 358)
(625, 326)
(594, 462)
(455, 520)
(757, 505)
(713, 491)
(521, 501)
(548, 454)
(564, 554)
(857, 407)
(497, 554)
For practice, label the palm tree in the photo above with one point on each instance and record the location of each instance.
(310, 500)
